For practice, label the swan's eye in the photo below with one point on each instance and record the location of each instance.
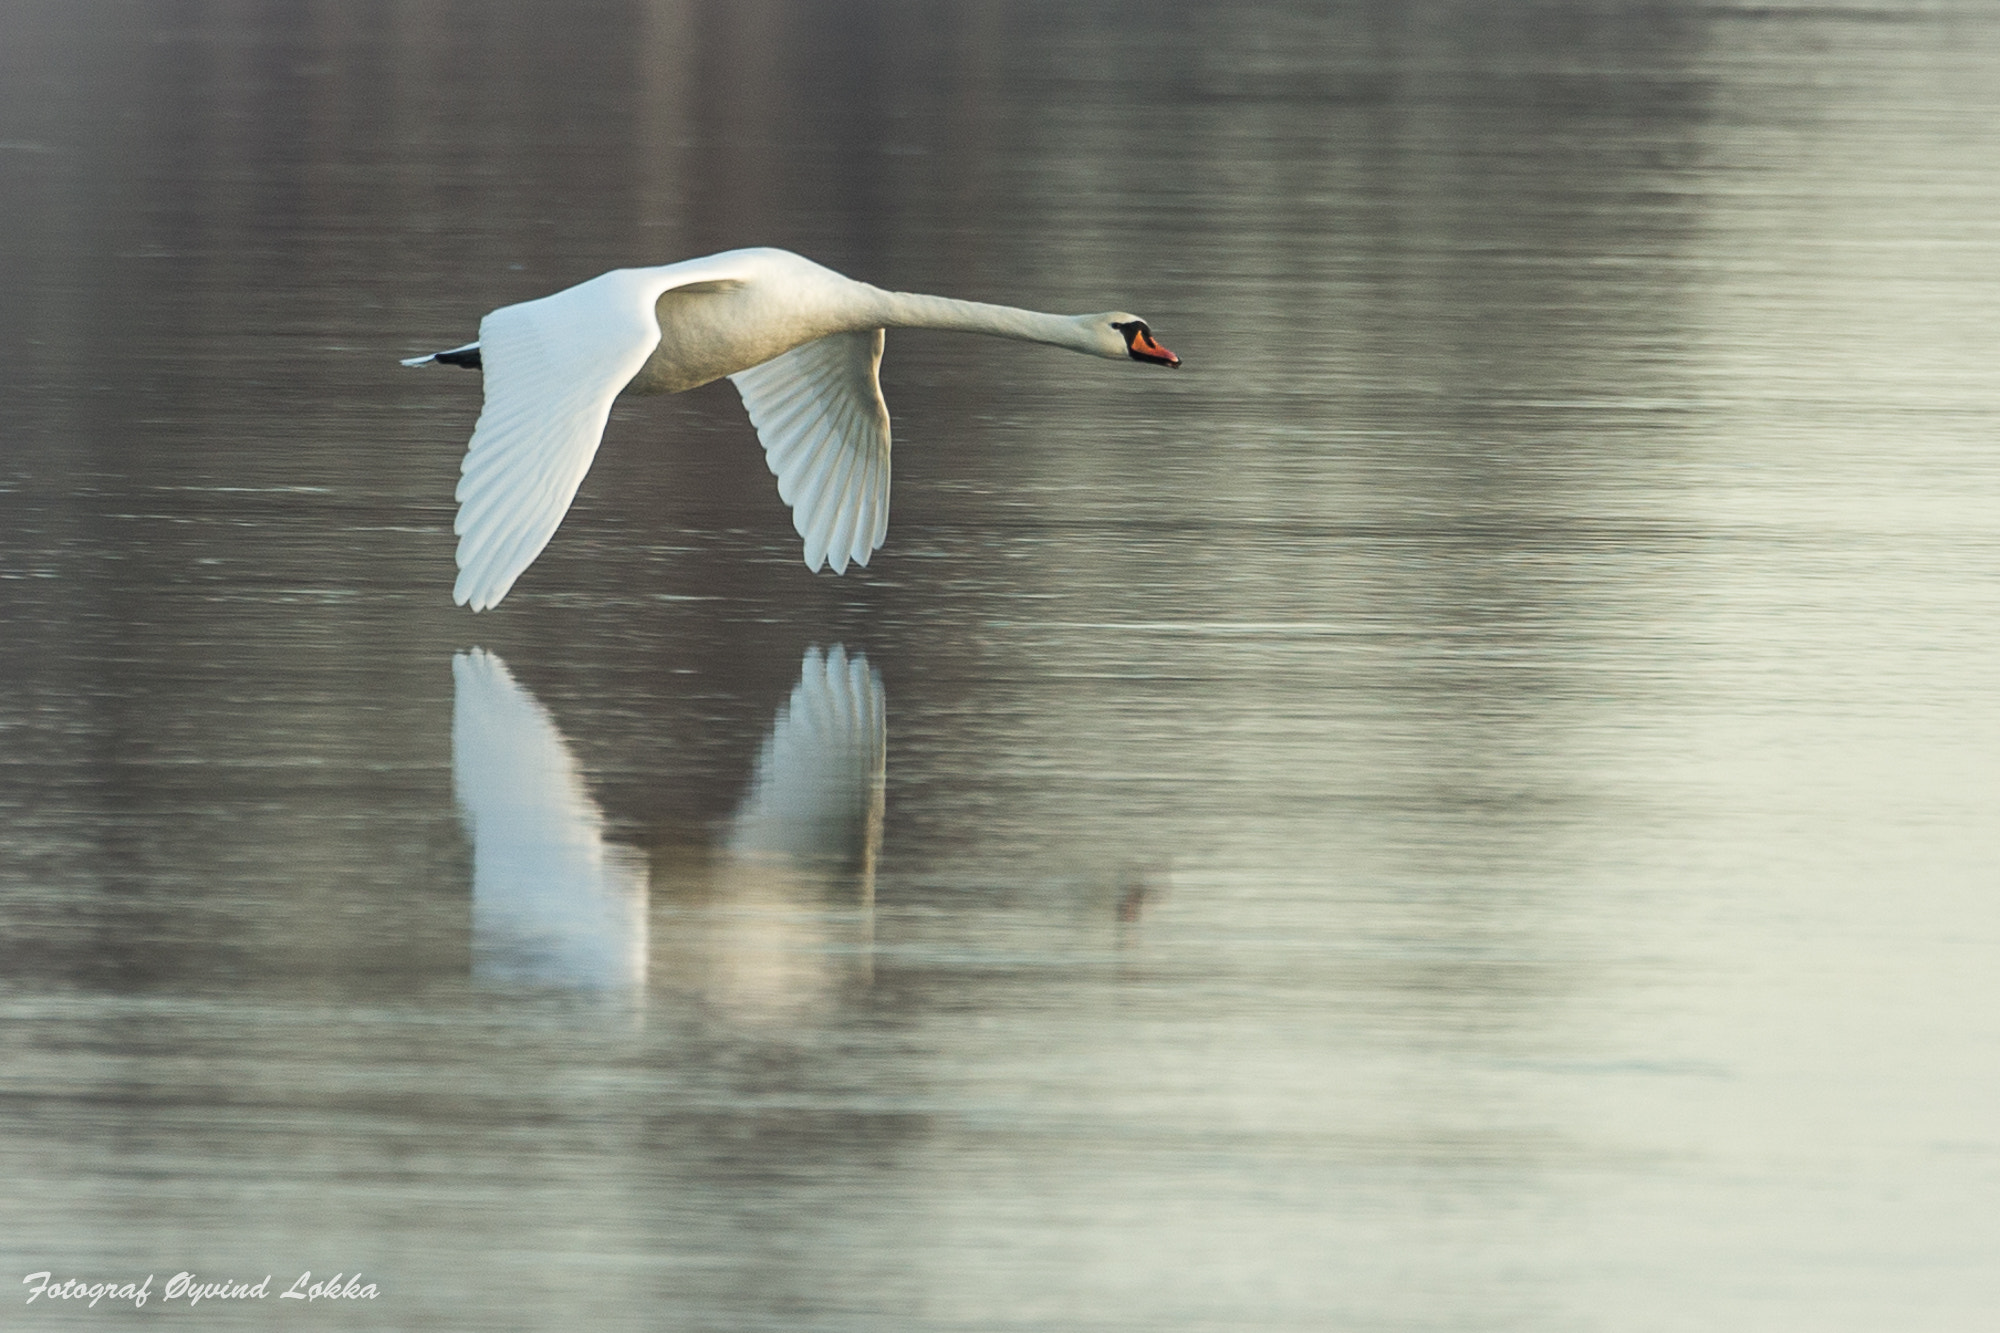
(1137, 335)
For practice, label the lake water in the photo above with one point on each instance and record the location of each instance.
(1472, 806)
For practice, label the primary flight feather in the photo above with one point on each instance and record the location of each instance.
(801, 343)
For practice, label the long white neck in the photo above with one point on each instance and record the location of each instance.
(913, 310)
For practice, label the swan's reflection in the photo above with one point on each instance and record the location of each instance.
(553, 904)
(766, 925)
(762, 923)
(817, 790)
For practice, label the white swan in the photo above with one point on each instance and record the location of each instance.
(800, 342)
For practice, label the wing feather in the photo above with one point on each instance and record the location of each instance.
(552, 368)
(843, 502)
(802, 441)
(809, 480)
(827, 485)
(819, 412)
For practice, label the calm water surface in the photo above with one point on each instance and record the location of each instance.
(1470, 807)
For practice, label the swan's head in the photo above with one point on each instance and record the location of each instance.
(1119, 334)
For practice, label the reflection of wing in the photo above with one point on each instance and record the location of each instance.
(552, 903)
(817, 790)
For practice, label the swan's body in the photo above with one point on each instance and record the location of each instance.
(800, 342)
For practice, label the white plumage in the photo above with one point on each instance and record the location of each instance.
(819, 411)
(801, 343)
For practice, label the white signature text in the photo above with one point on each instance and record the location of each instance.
(194, 1289)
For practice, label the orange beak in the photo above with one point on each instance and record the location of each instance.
(1144, 347)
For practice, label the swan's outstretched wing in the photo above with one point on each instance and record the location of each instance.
(553, 903)
(819, 411)
(552, 368)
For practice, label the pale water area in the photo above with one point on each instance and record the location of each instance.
(1474, 805)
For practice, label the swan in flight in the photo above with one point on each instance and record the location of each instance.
(800, 342)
